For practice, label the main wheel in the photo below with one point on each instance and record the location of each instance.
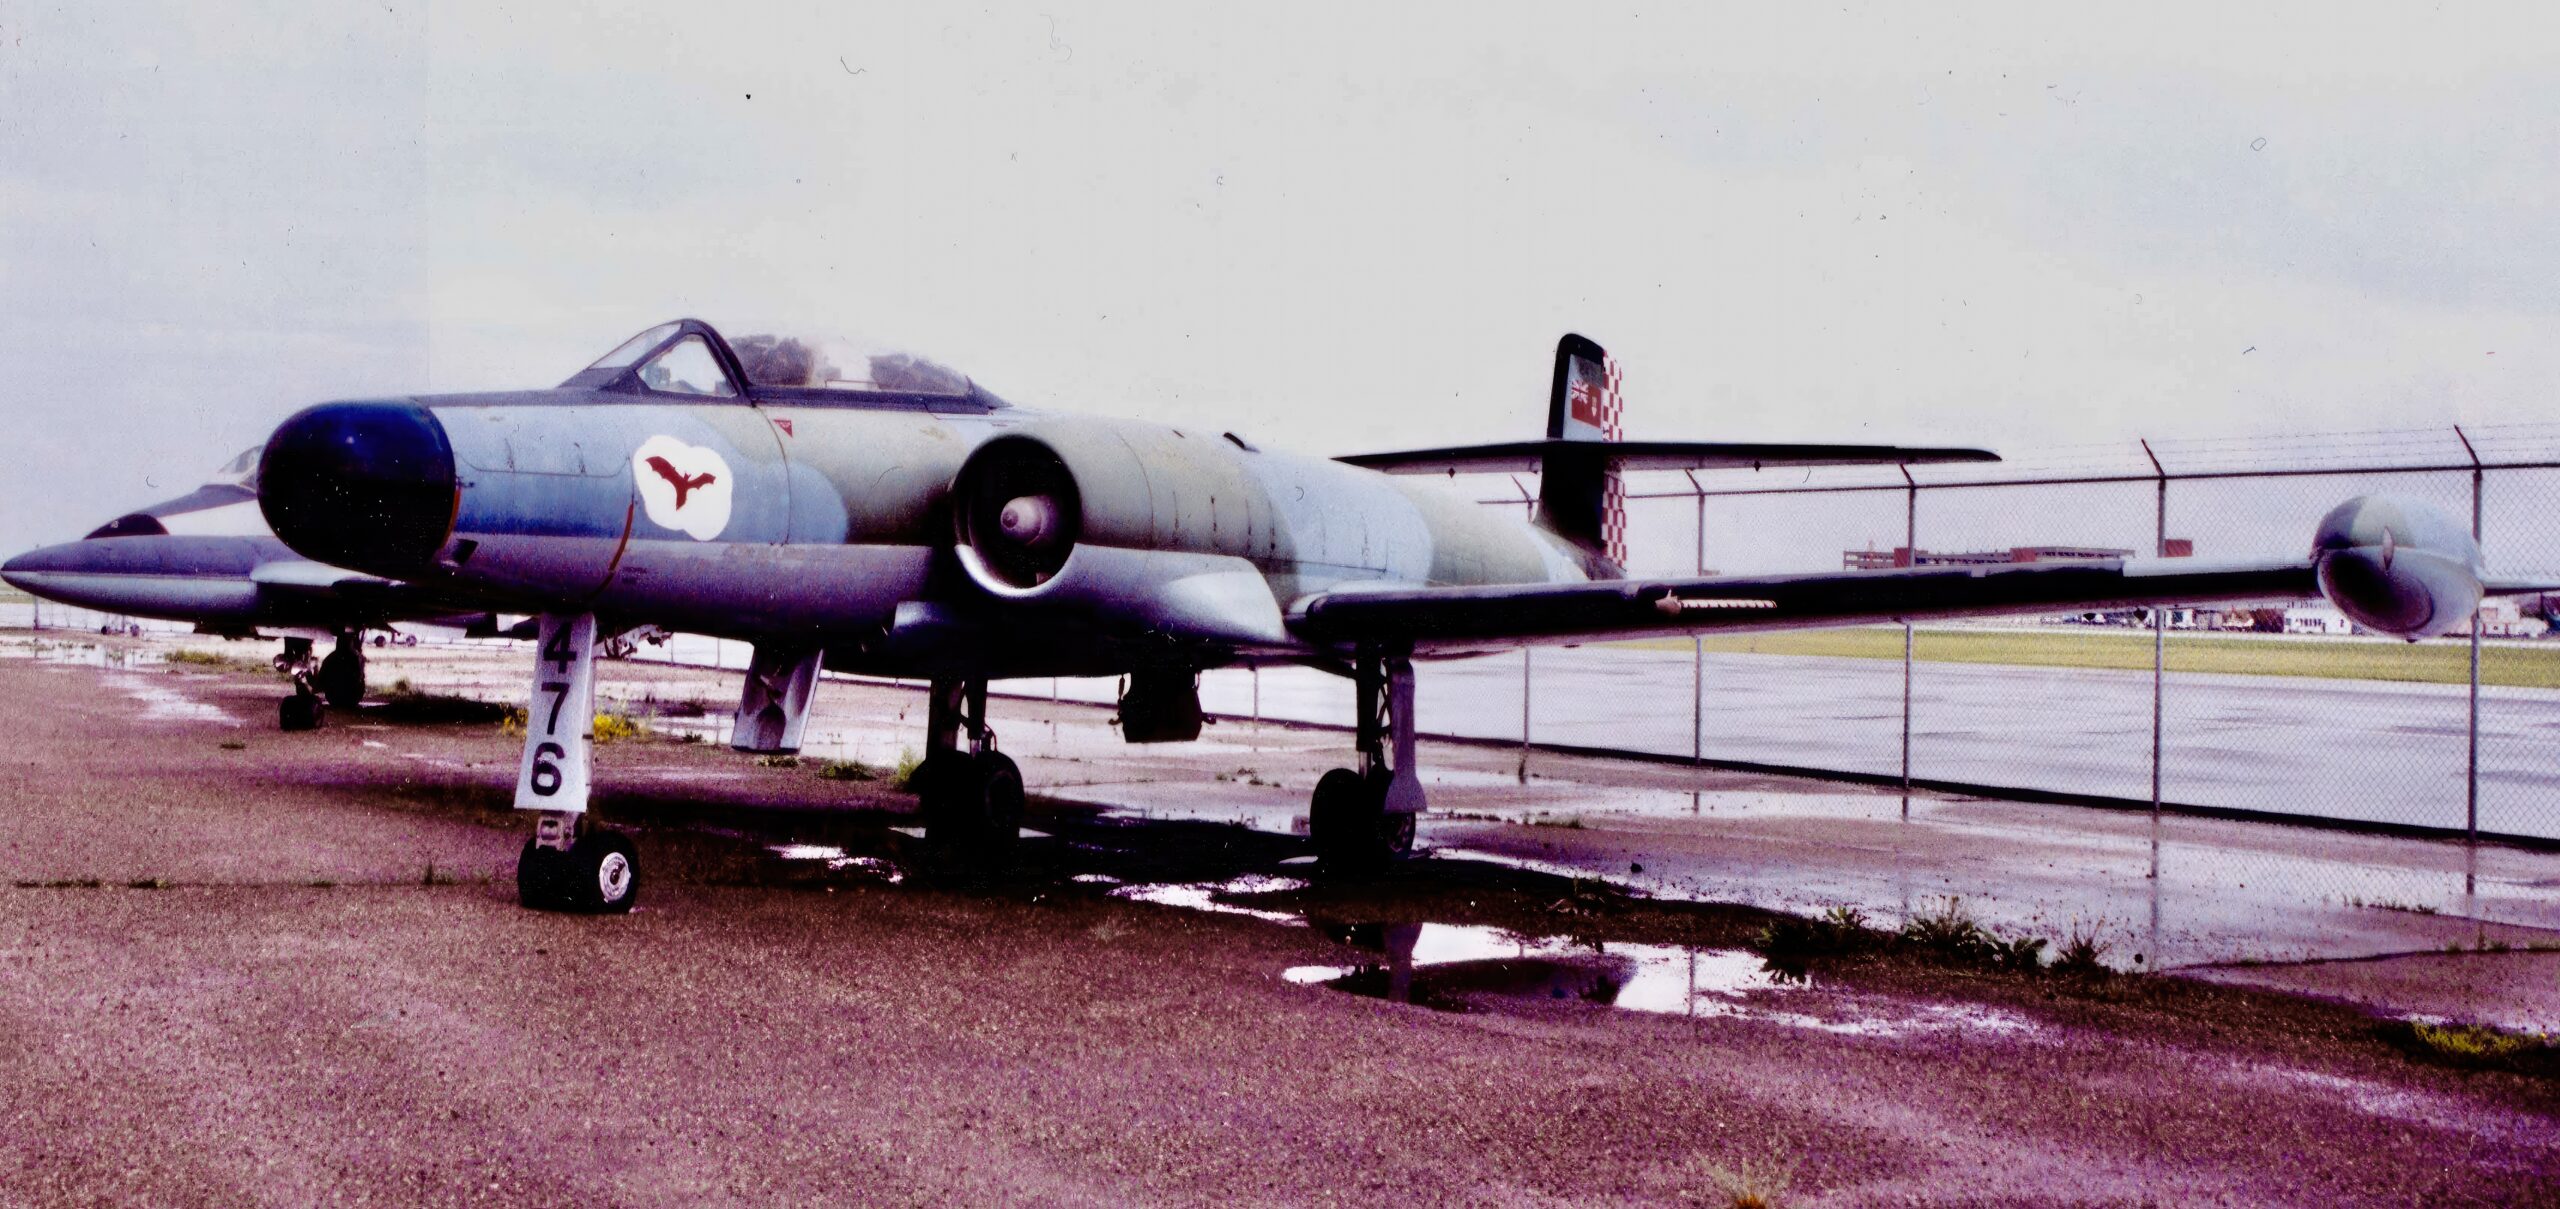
(1346, 820)
(972, 807)
(341, 677)
(301, 711)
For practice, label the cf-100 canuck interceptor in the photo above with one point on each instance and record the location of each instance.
(885, 514)
(207, 557)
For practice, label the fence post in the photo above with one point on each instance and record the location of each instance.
(1698, 644)
(2471, 774)
(1524, 715)
(2159, 649)
(1911, 550)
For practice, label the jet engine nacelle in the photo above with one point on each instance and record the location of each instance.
(2397, 566)
(1069, 514)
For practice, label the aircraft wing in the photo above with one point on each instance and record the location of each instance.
(1474, 618)
(1520, 457)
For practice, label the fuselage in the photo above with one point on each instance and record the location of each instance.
(832, 524)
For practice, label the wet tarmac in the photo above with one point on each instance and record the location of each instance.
(307, 945)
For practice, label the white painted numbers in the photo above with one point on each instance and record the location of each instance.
(560, 719)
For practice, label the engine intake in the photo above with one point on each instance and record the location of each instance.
(2397, 566)
(1018, 513)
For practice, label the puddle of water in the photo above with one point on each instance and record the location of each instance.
(837, 858)
(1443, 966)
(1201, 896)
(159, 703)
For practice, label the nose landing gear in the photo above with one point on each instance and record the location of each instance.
(570, 864)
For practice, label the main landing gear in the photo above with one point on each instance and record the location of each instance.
(972, 798)
(334, 681)
(1361, 820)
(570, 864)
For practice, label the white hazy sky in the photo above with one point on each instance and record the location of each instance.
(1334, 228)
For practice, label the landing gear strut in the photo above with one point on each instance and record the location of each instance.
(303, 710)
(569, 864)
(972, 798)
(1361, 820)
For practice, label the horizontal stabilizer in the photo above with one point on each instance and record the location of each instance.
(1517, 457)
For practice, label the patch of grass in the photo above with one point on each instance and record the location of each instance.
(214, 660)
(234, 745)
(782, 760)
(2476, 1047)
(848, 770)
(2393, 904)
(148, 883)
(2437, 661)
(405, 703)
(1569, 822)
(904, 776)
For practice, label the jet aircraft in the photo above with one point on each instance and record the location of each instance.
(207, 557)
(882, 513)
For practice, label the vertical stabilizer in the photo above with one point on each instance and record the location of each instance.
(1582, 498)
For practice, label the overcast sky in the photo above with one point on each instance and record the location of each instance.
(1334, 229)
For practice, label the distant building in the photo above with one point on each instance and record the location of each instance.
(2316, 619)
(1904, 556)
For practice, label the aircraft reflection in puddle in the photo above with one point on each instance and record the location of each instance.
(1435, 965)
(1444, 966)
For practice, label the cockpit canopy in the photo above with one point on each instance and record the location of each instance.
(691, 358)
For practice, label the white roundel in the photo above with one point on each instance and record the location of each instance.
(683, 487)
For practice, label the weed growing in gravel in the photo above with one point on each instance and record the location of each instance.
(234, 745)
(905, 775)
(1751, 1183)
(614, 727)
(1949, 935)
(784, 760)
(2080, 956)
(848, 770)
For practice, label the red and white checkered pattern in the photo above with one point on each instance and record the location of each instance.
(1613, 489)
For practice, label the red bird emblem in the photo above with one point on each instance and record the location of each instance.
(684, 484)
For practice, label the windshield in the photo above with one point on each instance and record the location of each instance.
(628, 351)
(241, 471)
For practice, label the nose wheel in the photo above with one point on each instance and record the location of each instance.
(599, 874)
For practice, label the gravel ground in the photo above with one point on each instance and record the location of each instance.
(292, 971)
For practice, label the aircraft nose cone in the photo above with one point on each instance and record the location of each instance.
(26, 571)
(363, 485)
